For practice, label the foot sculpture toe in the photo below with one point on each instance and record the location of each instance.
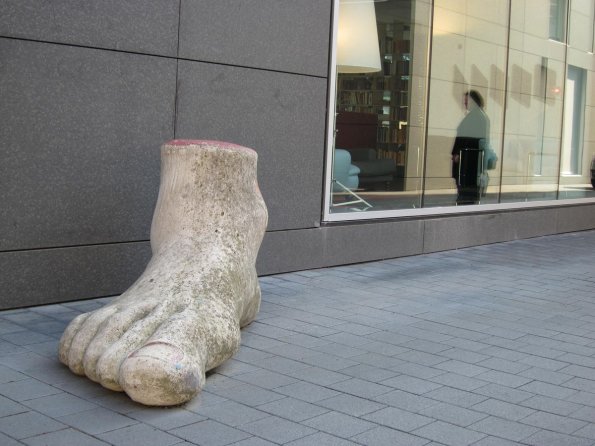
(161, 374)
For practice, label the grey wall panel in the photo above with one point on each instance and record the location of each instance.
(57, 275)
(455, 232)
(281, 116)
(143, 26)
(79, 143)
(296, 250)
(285, 35)
(371, 241)
(575, 218)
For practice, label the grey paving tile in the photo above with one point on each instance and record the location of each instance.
(28, 424)
(117, 402)
(339, 424)
(461, 368)
(398, 419)
(23, 338)
(504, 393)
(277, 430)
(452, 414)
(449, 434)
(303, 340)
(7, 326)
(552, 405)
(329, 362)
(361, 388)
(7, 441)
(139, 435)
(426, 346)
(307, 392)
(580, 397)
(232, 413)
(588, 431)
(377, 360)
(166, 418)
(294, 409)
(384, 436)
(499, 427)
(411, 384)
(265, 379)
(317, 375)
(455, 396)
(457, 381)
(503, 409)
(62, 438)
(281, 365)
(549, 438)
(384, 348)
(26, 360)
(8, 375)
(544, 363)
(556, 423)
(504, 379)
(541, 388)
(495, 441)
(253, 441)
(406, 400)
(10, 407)
(203, 399)
(588, 385)
(351, 405)
(321, 439)
(233, 367)
(27, 389)
(463, 355)
(9, 348)
(503, 365)
(584, 413)
(580, 360)
(421, 358)
(48, 349)
(97, 421)
(80, 386)
(59, 405)
(544, 375)
(210, 433)
(417, 370)
(250, 395)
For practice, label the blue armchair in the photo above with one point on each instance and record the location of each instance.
(344, 172)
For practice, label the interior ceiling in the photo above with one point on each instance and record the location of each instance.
(394, 10)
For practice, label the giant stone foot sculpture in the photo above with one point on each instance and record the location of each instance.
(182, 317)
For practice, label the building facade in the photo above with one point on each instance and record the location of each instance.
(356, 162)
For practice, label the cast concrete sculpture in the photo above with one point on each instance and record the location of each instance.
(182, 317)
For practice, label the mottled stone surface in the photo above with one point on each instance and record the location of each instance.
(182, 317)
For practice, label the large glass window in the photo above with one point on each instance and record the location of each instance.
(455, 106)
(380, 105)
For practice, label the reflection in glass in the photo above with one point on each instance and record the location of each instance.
(373, 109)
(405, 140)
(468, 55)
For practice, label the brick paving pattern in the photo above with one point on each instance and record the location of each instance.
(485, 346)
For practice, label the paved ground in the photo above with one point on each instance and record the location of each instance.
(485, 346)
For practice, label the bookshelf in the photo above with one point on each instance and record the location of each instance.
(385, 93)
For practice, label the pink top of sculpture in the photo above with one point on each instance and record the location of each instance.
(206, 142)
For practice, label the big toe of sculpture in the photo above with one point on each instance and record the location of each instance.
(182, 317)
